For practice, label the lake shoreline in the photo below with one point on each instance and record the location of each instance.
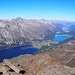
(16, 51)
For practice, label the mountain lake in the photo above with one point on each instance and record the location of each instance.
(60, 38)
(16, 51)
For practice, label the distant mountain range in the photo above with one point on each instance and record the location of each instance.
(21, 31)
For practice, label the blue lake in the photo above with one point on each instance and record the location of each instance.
(60, 38)
(16, 51)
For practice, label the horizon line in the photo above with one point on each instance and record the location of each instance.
(36, 19)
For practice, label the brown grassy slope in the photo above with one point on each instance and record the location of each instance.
(66, 57)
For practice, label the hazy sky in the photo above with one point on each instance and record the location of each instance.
(37, 9)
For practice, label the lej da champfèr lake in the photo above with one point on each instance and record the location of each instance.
(60, 38)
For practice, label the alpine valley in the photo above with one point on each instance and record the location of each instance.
(37, 47)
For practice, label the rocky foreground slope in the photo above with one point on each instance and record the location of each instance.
(40, 64)
(64, 56)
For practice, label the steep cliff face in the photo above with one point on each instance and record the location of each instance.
(21, 31)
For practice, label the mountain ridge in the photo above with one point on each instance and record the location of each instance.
(21, 31)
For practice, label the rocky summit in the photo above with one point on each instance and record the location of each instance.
(40, 64)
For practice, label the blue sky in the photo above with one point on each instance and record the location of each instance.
(37, 9)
